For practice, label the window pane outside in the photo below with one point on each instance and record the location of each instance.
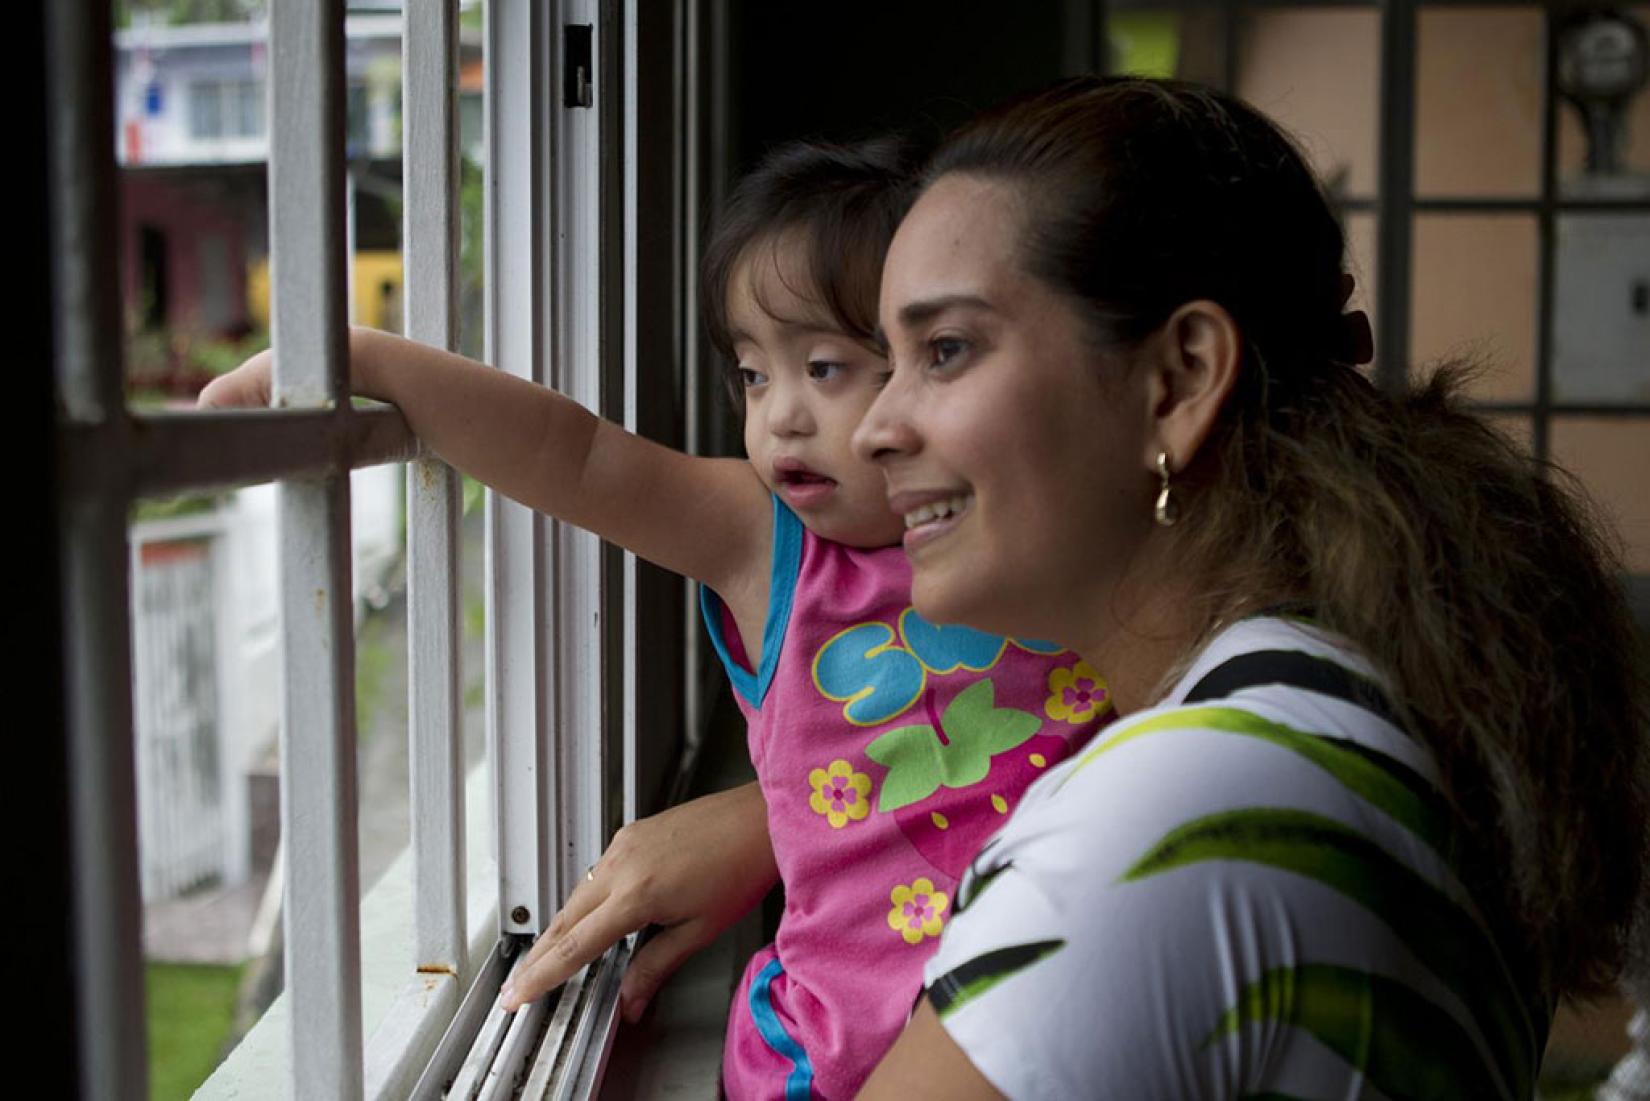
(206, 109)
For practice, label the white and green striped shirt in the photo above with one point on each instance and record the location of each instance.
(1242, 893)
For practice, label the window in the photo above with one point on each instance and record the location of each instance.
(574, 753)
(225, 109)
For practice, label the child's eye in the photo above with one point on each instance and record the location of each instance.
(749, 377)
(821, 370)
(944, 351)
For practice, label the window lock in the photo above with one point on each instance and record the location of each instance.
(577, 67)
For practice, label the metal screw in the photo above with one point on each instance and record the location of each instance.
(520, 915)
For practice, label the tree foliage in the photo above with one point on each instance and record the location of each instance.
(174, 12)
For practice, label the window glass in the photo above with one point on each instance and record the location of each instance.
(206, 109)
(249, 108)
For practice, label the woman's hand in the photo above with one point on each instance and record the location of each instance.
(694, 869)
(246, 387)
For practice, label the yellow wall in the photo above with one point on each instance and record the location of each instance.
(372, 306)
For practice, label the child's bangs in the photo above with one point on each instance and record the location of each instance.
(837, 273)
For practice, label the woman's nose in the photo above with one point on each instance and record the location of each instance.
(885, 430)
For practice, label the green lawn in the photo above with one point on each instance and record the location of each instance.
(191, 1008)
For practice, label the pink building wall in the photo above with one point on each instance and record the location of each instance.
(205, 248)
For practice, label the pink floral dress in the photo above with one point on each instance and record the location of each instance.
(889, 750)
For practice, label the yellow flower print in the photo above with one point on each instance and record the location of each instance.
(840, 794)
(1076, 695)
(918, 910)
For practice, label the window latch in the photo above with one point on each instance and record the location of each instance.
(577, 66)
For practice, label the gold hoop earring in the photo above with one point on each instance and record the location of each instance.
(1167, 511)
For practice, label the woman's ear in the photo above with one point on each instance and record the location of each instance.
(1198, 351)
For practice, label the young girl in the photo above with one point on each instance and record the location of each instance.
(887, 748)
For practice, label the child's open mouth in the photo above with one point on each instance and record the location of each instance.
(801, 486)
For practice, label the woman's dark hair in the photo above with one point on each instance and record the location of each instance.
(841, 203)
(1473, 576)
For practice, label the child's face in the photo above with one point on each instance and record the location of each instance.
(806, 385)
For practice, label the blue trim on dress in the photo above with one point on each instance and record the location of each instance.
(787, 565)
(798, 1087)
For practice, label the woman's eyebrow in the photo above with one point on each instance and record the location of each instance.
(913, 314)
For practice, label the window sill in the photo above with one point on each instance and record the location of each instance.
(257, 1068)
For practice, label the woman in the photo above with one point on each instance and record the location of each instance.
(1375, 800)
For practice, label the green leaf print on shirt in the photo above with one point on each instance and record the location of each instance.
(962, 984)
(1442, 933)
(1406, 1046)
(1373, 776)
(953, 750)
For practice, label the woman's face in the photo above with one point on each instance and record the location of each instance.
(1016, 453)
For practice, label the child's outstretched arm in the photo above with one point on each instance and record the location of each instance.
(708, 519)
(693, 869)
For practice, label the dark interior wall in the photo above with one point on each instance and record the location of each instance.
(852, 68)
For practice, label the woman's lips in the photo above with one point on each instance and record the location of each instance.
(931, 516)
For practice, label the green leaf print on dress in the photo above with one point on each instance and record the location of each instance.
(953, 750)
(979, 759)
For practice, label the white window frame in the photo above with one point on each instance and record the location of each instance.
(563, 614)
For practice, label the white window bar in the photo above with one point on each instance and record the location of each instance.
(408, 1036)
(586, 354)
(318, 790)
(520, 226)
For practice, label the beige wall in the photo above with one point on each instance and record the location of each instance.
(1478, 134)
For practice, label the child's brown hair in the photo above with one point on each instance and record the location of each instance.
(841, 202)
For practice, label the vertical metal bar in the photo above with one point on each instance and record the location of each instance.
(582, 349)
(318, 790)
(1546, 291)
(94, 602)
(103, 811)
(692, 127)
(631, 273)
(80, 128)
(1081, 30)
(520, 225)
(306, 192)
(1232, 23)
(1396, 195)
(435, 730)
